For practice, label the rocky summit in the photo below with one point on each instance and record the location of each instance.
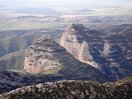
(74, 39)
(82, 54)
(72, 90)
(42, 56)
(48, 57)
(108, 51)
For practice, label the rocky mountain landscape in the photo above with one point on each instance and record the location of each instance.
(74, 40)
(48, 57)
(100, 50)
(79, 54)
(72, 90)
(65, 49)
(92, 47)
(106, 51)
(46, 60)
(14, 43)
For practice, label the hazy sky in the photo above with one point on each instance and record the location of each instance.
(64, 4)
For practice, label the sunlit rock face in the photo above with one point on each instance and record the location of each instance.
(106, 49)
(74, 40)
(109, 51)
(48, 57)
(40, 56)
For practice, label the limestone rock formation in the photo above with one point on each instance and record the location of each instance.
(74, 39)
(47, 57)
(109, 51)
(72, 90)
(40, 56)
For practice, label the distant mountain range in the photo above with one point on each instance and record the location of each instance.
(39, 11)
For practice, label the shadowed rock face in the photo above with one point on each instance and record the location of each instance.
(74, 39)
(72, 90)
(11, 80)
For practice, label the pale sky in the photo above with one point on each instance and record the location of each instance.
(64, 4)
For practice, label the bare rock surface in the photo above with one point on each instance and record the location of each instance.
(42, 56)
(48, 57)
(109, 51)
(74, 39)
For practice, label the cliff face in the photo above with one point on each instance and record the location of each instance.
(108, 51)
(72, 90)
(14, 49)
(74, 40)
(48, 57)
(41, 56)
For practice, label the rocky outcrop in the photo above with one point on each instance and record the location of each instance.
(41, 56)
(14, 42)
(72, 90)
(74, 39)
(109, 51)
(48, 57)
